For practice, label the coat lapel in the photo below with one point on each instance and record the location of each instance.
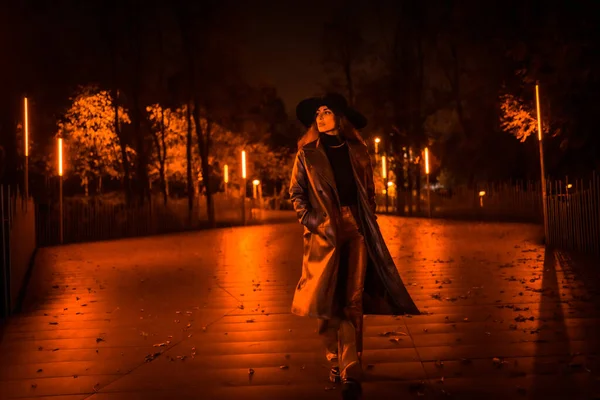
(320, 162)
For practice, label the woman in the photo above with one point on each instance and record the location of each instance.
(347, 270)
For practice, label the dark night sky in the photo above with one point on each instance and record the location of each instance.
(281, 45)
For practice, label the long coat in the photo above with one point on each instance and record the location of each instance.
(316, 202)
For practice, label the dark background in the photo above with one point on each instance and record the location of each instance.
(425, 73)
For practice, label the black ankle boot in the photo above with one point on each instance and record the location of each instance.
(351, 390)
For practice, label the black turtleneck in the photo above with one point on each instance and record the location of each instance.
(336, 149)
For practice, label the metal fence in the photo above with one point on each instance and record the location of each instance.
(574, 215)
(17, 236)
(573, 208)
(93, 219)
(515, 201)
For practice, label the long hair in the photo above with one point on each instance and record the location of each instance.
(344, 127)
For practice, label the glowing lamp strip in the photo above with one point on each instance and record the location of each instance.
(244, 164)
(539, 117)
(26, 123)
(60, 170)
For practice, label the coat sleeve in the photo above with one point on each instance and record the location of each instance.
(299, 188)
(370, 184)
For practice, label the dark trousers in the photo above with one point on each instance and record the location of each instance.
(343, 334)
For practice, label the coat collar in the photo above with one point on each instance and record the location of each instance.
(317, 158)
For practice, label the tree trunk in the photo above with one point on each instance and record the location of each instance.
(166, 183)
(112, 38)
(142, 178)
(418, 186)
(203, 139)
(123, 146)
(189, 144)
(142, 156)
(409, 189)
(163, 157)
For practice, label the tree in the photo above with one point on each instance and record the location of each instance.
(519, 119)
(212, 75)
(89, 135)
(344, 48)
(168, 129)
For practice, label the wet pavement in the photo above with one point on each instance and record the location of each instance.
(205, 315)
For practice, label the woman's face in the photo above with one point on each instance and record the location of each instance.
(325, 119)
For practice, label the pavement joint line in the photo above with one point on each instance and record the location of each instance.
(427, 377)
(146, 362)
(228, 292)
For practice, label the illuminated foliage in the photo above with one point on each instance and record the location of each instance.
(517, 118)
(92, 147)
(169, 130)
(226, 149)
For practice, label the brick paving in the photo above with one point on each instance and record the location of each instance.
(189, 316)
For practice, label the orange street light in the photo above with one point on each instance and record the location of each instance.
(427, 179)
(60, 157)
(384, 176)
(26, 128)
(244, 164)
(60, 175)
(26, 123)
(542, 169)
(377, 141)
(255, 188)
(226, 179)
(243, 187)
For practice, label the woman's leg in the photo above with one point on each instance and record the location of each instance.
(328, 330)
(350, 337)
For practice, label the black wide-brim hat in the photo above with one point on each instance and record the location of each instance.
(306, 110)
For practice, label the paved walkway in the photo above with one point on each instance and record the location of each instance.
(205, 315)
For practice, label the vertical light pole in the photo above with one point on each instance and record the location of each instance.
(243, 188)
(542, 169)
(427, 181)
(384, 176)
(26, 128)
(226, 179)
(255, 188)
(377, 140)
(60, 188)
